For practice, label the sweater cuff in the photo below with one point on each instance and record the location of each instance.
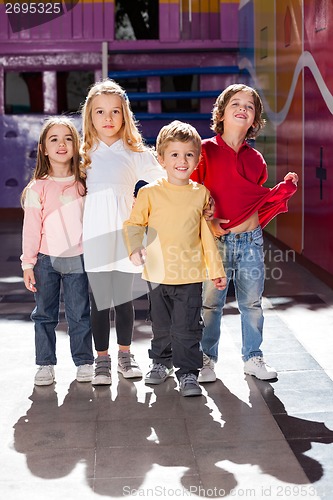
(27, 266)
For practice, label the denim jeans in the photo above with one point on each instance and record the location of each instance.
(50, 273)
(243, 260)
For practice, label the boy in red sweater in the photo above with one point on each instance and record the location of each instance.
(234, 173)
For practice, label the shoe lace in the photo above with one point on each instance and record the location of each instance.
(189, 378)
(158, 369)
(259, 361)
(46, 368)
(207, 362)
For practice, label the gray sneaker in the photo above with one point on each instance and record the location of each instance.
(157, 374)
(45, 375)
(189, 386)
(84, 373)
(102, 371)
(207, 372)
(127, 365)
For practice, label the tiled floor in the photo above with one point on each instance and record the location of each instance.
(242, 439)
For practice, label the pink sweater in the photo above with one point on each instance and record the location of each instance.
(52, 223)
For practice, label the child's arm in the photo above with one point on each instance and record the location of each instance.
(208, 214)
(211, 254)
(134, 228)
(29, 280)
(220, 283)
(147, 167)
(209, 209)
(217, 229)
(138, 256)
(31, 236)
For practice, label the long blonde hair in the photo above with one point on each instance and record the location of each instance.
(43, 167)
(129, 131)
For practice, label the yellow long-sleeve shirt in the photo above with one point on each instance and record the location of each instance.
(179, 243)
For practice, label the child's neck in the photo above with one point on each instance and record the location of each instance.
(60, 171)
(233, 139)
(178, 182)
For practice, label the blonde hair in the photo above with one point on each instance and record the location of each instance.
(43, 167)
(129, 131)
(177, 131)
(222, 101)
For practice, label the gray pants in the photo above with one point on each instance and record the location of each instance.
(177, 326)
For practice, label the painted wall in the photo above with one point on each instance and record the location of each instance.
(318, 126)
(292, 68)
(284, 44)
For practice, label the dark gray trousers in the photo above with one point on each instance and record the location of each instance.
(177, 324)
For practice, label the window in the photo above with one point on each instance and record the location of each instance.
(72, 89)
(23, 92)
(137, 20)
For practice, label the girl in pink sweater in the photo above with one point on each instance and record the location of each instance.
(52, 249)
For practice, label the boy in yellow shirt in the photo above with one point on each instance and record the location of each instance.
(180, 253)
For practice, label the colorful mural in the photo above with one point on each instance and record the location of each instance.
(281, 48)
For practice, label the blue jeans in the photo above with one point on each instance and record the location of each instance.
(50, 273)
(243, 260)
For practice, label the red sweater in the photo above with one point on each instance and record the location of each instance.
(236, 180)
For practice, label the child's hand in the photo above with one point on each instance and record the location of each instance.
(29, 280)
(220, 283)
(138, 257)
(208, 212)
(217, 229)
(292, 176)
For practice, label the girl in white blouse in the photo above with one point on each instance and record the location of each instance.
(115, 159)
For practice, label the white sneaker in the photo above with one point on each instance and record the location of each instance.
(257, 367)
(45, 375)
(84, 373)
(102, 371)
(127, 365)
(207, 372)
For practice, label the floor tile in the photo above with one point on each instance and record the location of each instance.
(243, 438)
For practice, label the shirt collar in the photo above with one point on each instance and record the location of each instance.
(220, 142)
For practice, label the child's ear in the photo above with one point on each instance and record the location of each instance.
(41, 150)
(160, 160)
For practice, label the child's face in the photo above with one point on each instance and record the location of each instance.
(59, 146)
(107, 117)
(179, 160)
(239, 112)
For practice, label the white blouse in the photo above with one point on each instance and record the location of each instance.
(111, 179)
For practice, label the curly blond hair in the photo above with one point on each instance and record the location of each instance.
(129, 131)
